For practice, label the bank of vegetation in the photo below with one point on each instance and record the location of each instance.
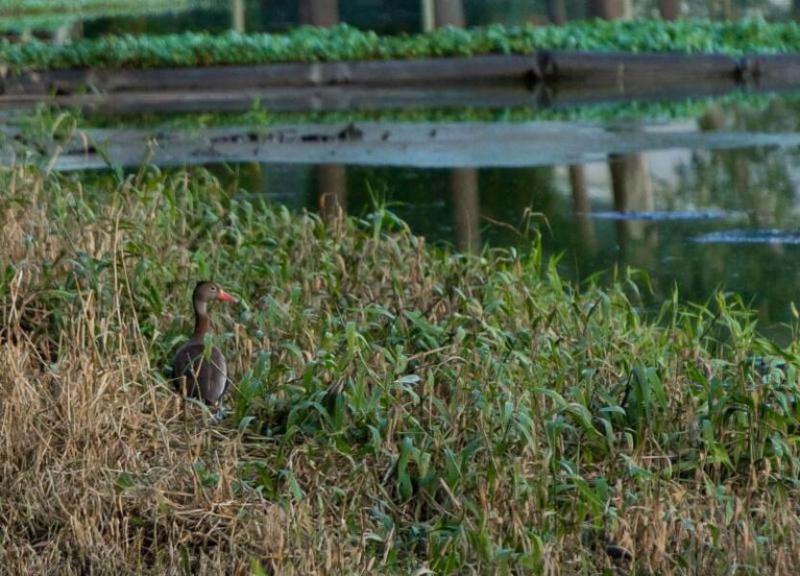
(343, 42)
(396, 408)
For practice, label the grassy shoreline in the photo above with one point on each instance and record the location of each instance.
(397, 407)
(343, 42)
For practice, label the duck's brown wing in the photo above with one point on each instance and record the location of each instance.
(206, 376)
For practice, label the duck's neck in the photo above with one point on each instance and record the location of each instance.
(201, 322)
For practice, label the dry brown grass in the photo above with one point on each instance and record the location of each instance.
(83, 411)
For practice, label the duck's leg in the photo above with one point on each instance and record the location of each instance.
(217, 412)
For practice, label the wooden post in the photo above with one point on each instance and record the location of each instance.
(65, 34)
(331, 178)
(577, 184)
(318, 12)
(669, 9)
(557, 12)
(581, 207)
(607, 9)
(630, 178)
(428, 15)
(237, 15)
(466, 209)
(633, 192)
(62, 35)
(729, 11)
(332, 191)
(632, 188)
(449, 13)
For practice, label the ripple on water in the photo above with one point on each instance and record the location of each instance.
(749, 237)
(664, 215)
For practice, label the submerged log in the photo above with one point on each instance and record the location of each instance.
(635, 69)
(782, 68)
(495, 69)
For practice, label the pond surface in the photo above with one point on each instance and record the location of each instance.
(689, 197)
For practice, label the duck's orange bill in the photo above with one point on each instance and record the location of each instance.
(225, 297)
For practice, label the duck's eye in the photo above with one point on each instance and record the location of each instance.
(213, 288)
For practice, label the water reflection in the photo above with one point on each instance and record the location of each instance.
(466, 209)
(732, 190)
(582, 209)
(318, 12)
(331, 182)
(632, 190)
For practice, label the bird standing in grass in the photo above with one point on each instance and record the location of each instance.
(198, 368)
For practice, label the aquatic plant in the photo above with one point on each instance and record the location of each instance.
(343, 42)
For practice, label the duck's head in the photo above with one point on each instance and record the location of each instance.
(207, 291)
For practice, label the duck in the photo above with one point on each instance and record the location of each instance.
(198, 371)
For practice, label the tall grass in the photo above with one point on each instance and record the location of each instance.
(396, 409)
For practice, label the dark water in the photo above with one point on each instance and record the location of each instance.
(695, 220)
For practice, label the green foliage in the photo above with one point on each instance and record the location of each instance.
(344, 42)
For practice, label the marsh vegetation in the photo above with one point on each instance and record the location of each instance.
(395, 408)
